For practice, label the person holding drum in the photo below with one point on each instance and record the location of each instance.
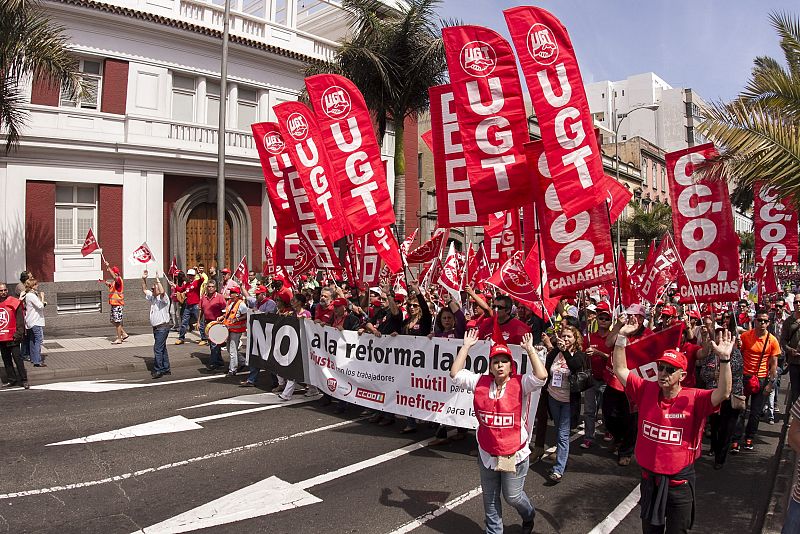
(212, 305)
(160, 321)
(235, 320)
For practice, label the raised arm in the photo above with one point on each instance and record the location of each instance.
(723, 347)
(536, 364)
(479, 301)
(619, 359)
(470, 338)
(144, 282)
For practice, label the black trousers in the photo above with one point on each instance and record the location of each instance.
(680, 502)
(619, 420)
(794, 378)
(757, 402)
(11, 359)
(723, 425)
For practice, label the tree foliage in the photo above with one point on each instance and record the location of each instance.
(31, 46)
(758, 133)
(647, 225)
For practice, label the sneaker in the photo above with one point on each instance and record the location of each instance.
(748, 445)
(202, 342)
(608, 436)
(278, 389)
(281, 397)
(246, 384)
(624, 460)
(587, 443)
(734, 448)
(527, 527)
(177, 342)
(771, 421)
(26, 385)
(710, 452)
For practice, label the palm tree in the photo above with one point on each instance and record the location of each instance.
(30, 46)
(747, 245)
(647, 225)
(759, 131)
(393, 57)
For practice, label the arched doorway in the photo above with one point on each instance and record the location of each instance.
(201, 236)
(193, 228)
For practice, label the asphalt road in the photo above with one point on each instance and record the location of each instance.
(295, 468)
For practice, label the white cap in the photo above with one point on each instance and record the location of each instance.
(191, 272)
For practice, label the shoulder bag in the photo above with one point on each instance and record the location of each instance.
(751, 384)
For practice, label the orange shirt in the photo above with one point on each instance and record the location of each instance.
(752, 345)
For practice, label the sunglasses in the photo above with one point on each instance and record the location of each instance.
(384, 299)
(496, 307)
(413, 305)
(668, 368)
(762, 320)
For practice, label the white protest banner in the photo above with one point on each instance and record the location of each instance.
(405, 375)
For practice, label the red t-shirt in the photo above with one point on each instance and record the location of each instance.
(212, 307)
(323, 314)
(598, 342)
(690, 350)
(192, 291)
(512, 330)
(670, 430)
(608, 372)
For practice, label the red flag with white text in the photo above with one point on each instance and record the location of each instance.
(503, 236)
(775, 222)
(556, 87)
(452, 273)
(617, 197)
(513, 280)
(478, 269)
(385, 244)
(304, 260)
(370, 266)
(241, 273)
(142, 255)
(173, 267)
(704, 233)
(455, 205)
(491, 116)
(89, 244)
(306, 151)
(766, 279)
(269, 258)
(662, 267)
(353, 150)
(641, 355)
(275, 163)
(430, 249)
(577, 249)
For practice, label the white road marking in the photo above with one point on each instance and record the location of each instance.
(213, 514)
(169, 425)
(218, 454)
(620, 512)
(255, 398)
(446, 507)
(262, 498)
(101, 386)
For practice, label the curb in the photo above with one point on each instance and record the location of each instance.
(48, 375)
(781, 469)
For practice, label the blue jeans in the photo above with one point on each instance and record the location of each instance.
(560, 411)
(252, 376)
(512, 486)
(189, 315)
(791, 524)
(35, 338)
(160, 356)
(216, 355)
(201, 325)
(593, 399)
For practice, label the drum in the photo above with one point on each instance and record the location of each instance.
(216, 332)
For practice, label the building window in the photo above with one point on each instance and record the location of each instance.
(602, 95)
(623, 92)
(92, 78)
(89, 302)
(183, 95)
(212, 104)
(690, 135)
(655, 177)
(76, 212)
(247, 108)
(663, 179)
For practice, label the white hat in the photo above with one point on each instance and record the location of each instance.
(591, 308)
(191, 272)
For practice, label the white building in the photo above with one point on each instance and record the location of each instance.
(671, 127)
(137, 160)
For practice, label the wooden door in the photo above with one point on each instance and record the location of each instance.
(201, 237)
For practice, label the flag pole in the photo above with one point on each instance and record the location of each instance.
(680, 261)
(618, 289)
(537, 232)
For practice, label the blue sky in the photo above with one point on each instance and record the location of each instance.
(706, 45)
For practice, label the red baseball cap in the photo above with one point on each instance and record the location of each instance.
(340, 302)
(499, 349)
(225, 271)
(115, 269)
(261, 289)
(235, 289)
(694, 314)
(669, 310)
(603, 307)
(675, 358)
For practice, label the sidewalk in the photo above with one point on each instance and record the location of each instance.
(89, 353)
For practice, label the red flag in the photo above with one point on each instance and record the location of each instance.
(775, 223)
(304, 260)
(537, 272)
(662, 268)
(478, 269)
(703, 220)
(286, 247)
(559, 100)
(406, 244)
(513, 280)
(353, 149)
(89, 244)
(503, 235)
(491, 116)
(275, 162)
(430, 249)
(370, 262)
(142, 255)
(528, 226)
(385, 244)
(352, 266)
(577, 249)
(269, 258)
(455, 205)
(173, 267)
(765, 276)
(617, 196)
(642, 354)
(452, 273)
(241, 273)
(306, 150)
(427, 137)
(627, 290)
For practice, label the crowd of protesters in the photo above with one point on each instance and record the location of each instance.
(738, 350)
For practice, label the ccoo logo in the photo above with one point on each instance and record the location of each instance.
(297, 126)
(274, 144)
(478, 59)
(336, 102)
(542, 44)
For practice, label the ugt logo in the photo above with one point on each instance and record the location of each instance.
(297, 126)
(542, 44)
(274, 144)
(336, 102)
(4, 318)
(478, 59)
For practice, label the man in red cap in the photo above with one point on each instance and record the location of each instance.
(235, 319)
(116, 300)
(670, 429)
(668, 317)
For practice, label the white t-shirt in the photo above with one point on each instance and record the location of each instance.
(468, 380)
(34, 310)
(159, 308)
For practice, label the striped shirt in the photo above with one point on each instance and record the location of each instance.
(796, 489)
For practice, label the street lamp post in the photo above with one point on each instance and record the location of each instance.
(223, 89)
(619, 118)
